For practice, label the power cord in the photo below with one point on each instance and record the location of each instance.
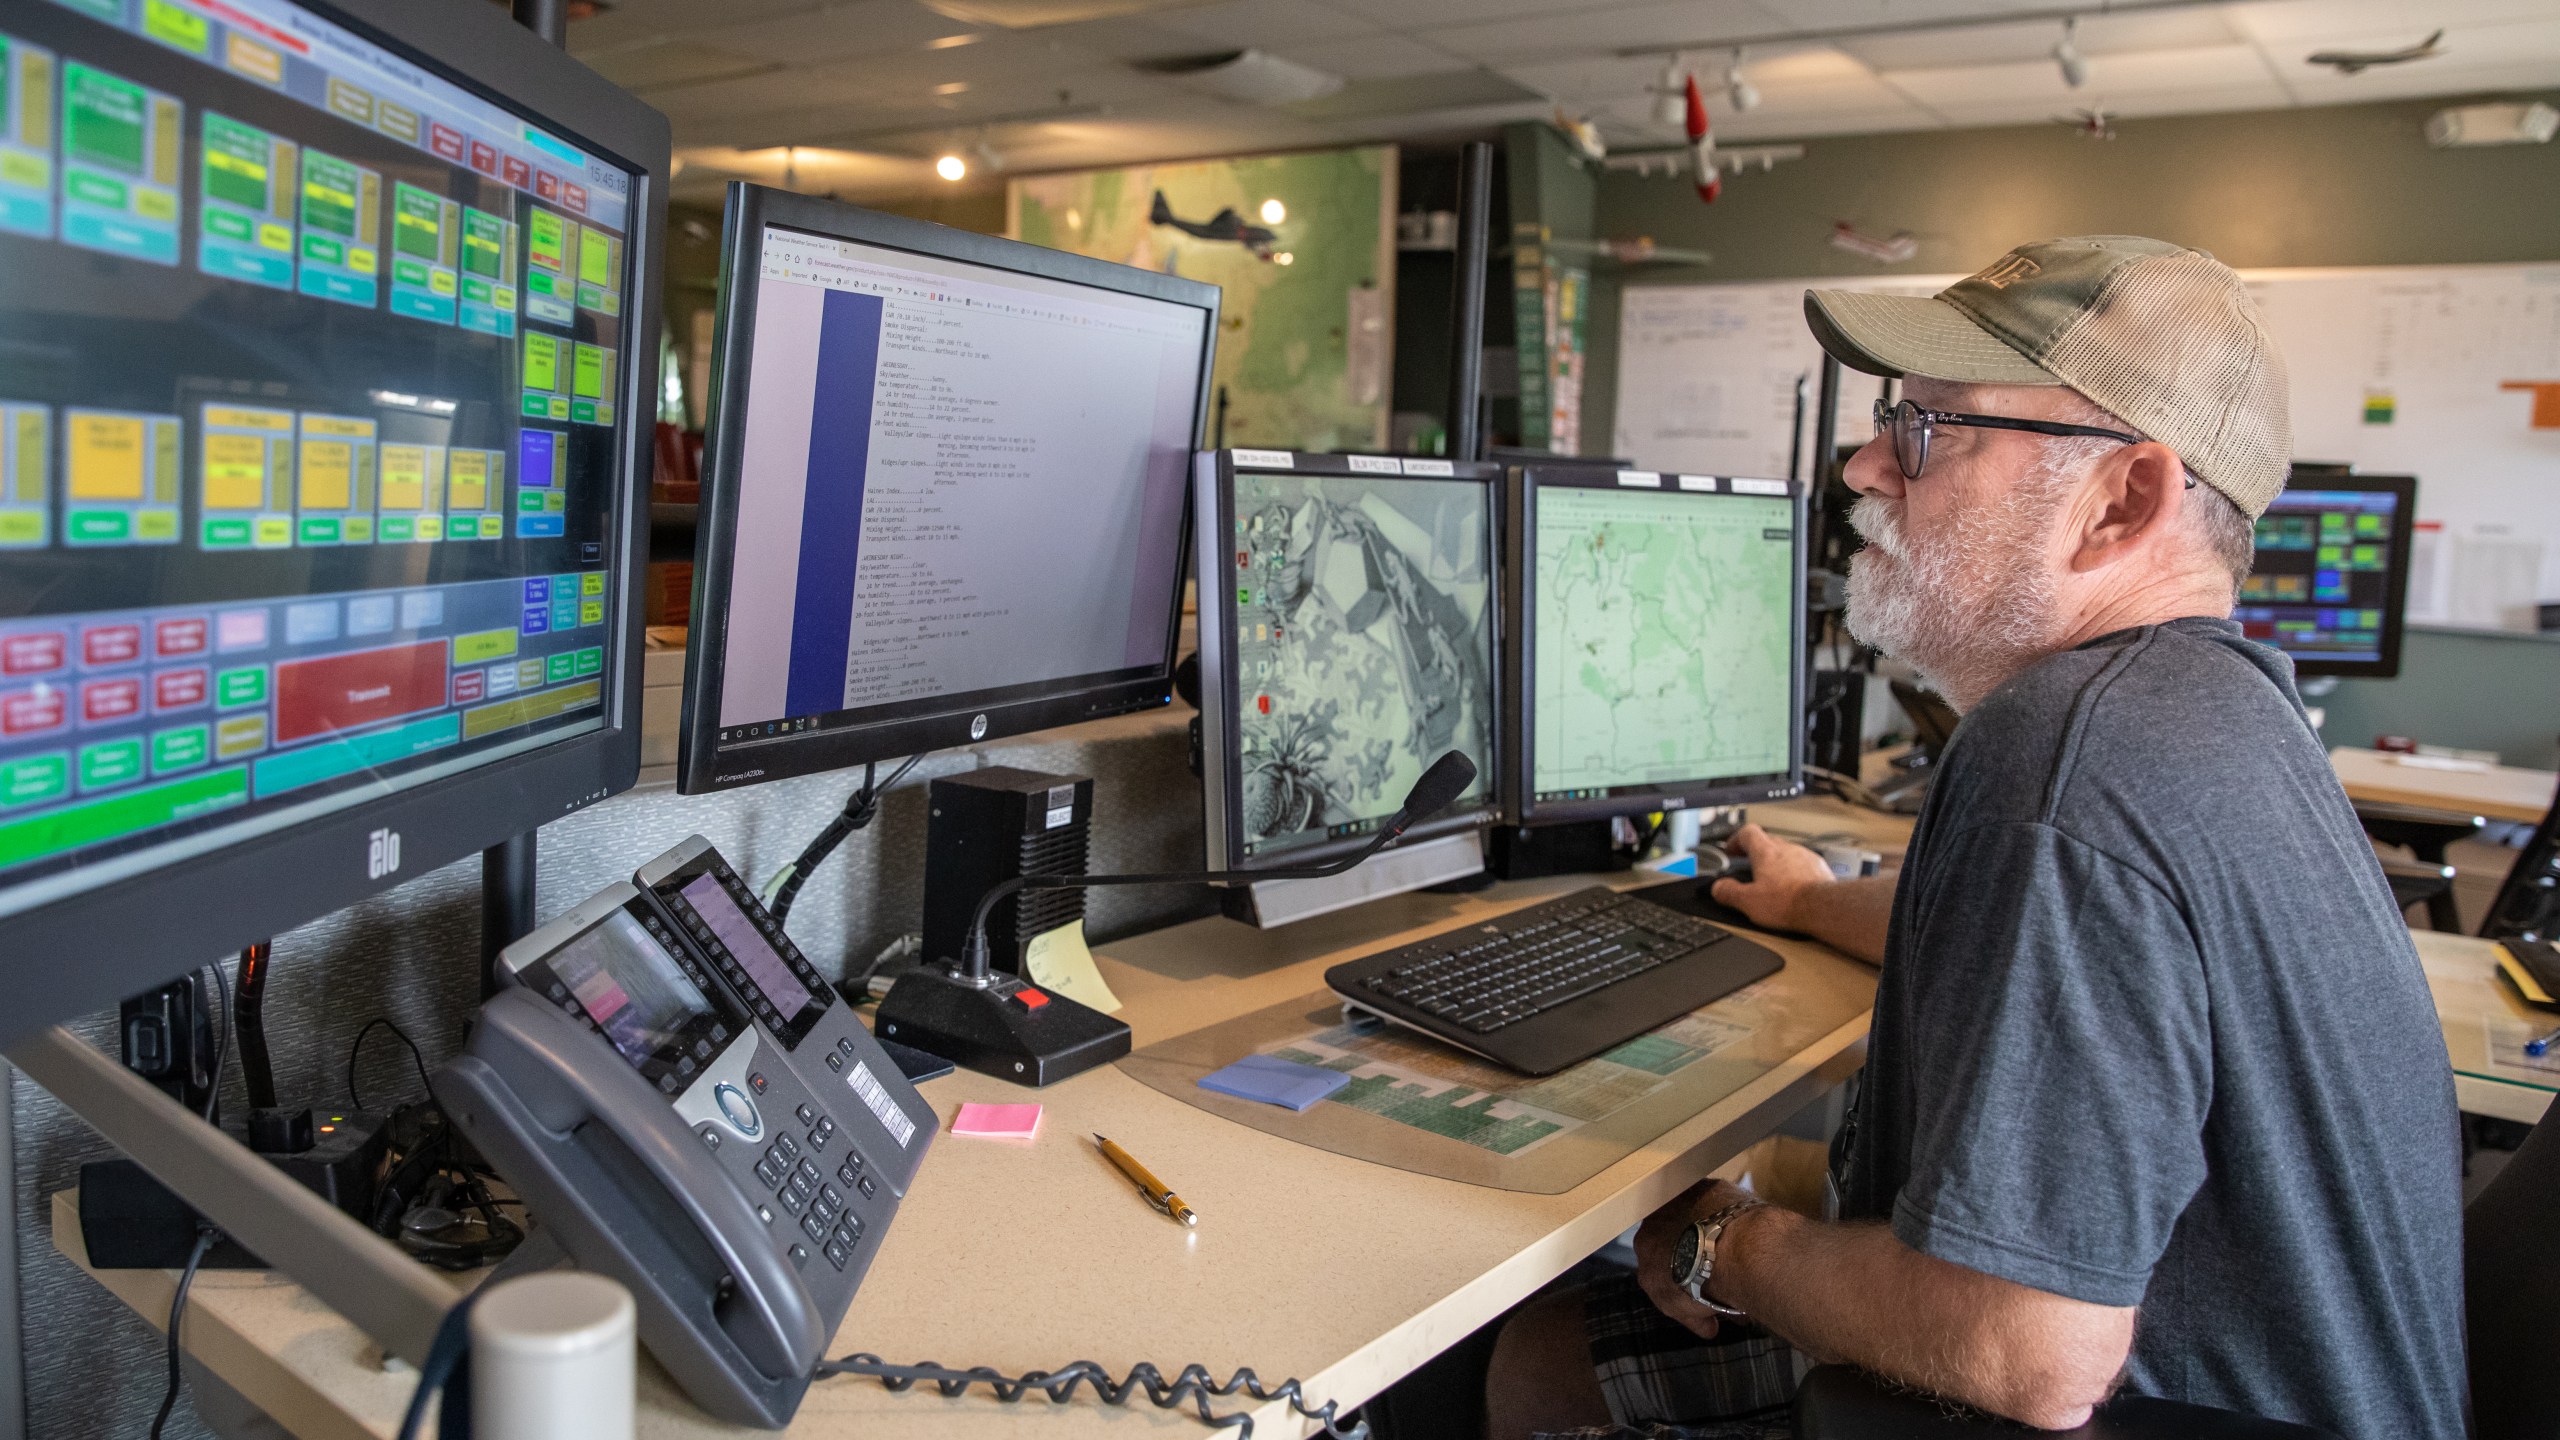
(221, 1036)
(205, 1236)
(355, 1100)
(1194, 1387)
(860, 809)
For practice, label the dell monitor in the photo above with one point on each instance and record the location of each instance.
(320, 436)
(943, 498)
(2330, 584)
(1347, 639)
(1656, 656)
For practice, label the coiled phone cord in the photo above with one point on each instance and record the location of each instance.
(1194, 1386)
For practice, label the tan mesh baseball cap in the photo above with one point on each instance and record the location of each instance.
(2163, 336)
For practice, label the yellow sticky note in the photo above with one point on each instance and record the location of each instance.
(1059, 961)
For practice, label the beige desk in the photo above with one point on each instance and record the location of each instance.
(2500, 792)
(2484, 1026)
(1026, 1257)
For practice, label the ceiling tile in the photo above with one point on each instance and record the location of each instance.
(1812, 16)
(2033, 40)
(1588, 80)
(1263, 24)
(1596, 31)
(635, 21)
(1427, 14)
(2111, 78)
(669, 62)
(1374, 57)
(2392, 23)
(866, 28)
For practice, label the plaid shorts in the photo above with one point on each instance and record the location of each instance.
(1664, 1383)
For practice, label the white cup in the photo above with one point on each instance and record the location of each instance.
(552, 1358)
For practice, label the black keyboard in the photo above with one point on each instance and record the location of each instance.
(1558, 982)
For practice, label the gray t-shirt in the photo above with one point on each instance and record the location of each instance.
(2150, 1031)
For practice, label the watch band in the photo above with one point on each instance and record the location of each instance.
(1702, 1273)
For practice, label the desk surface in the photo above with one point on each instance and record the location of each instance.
(1027, 1257)
(2500, 792)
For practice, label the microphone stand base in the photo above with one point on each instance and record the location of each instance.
(1008, 1029)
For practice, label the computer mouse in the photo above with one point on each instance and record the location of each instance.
(1736, 867)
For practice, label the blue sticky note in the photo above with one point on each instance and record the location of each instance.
(1273, 1081)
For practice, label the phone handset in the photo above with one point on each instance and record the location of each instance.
(604, 1161)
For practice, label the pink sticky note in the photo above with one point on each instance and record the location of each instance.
(998, 1122)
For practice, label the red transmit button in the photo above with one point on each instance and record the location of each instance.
(575, 195)
(104, 700)
(484, 158)
(518, 173)
(34, 654)
(184, 635)
(546, 184)
(110, 644)
(469, 686)
(180, 689)
(33, 712)
(1031, 999)
(447, 142)
(344, 692)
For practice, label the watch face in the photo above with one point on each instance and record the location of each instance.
(1684, 1254)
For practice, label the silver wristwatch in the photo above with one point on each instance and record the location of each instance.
(1693, 1256)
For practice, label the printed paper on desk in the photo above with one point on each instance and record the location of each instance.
(1059, 961)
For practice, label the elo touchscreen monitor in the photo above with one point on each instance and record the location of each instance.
(324, 340)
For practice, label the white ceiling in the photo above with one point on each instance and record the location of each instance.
(883, 86)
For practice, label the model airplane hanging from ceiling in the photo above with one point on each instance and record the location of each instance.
(1702, 147)
(1226, 226)
(2092, 124)
(2356, 62)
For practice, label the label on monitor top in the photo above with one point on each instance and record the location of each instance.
(1429, 467)
(1698, 482)
(1265, 460)
(1756, 487)
(1374, 465)
(1641, 479)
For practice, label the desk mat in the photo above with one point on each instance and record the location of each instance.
(1417, 1105)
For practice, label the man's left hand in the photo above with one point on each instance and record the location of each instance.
(1661, 1231)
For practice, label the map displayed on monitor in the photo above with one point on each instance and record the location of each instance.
(1364, 647)
(1662, 639)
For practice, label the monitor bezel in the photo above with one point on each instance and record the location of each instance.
(101, 944)
(2403, 543)
(1221, 697)
(965, 719)
(1519, 802)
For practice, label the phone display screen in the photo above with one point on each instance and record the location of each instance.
(633, 991)
(756, 955)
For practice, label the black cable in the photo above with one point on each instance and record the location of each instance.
(1194, 1387)
(355, 1101)
(860, 809)
(221, 1039)
(205, 1236)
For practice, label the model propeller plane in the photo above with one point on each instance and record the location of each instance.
(2356, 62)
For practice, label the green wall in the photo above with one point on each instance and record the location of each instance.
(2344, 185)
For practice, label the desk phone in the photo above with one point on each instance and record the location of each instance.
(686, 1106)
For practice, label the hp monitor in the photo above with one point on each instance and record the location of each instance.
(944, 490)
(319, 429)
(1656, 656)
(1348, 621)
(2330, 585)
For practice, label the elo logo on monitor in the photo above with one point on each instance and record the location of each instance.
(977, 727)
(381, 854)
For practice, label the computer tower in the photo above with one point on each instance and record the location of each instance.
(990, 825)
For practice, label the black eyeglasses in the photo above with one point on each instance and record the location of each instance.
(1910, 427)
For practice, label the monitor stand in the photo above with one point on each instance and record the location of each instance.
(1410, 866)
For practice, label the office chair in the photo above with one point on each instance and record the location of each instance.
(2511, 1269)
(2527, 904)
(2415, 883)
(2424, 833)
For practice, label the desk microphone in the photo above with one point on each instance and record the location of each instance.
(972, 1014)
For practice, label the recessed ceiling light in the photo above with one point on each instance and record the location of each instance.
(951, 167)
(954, 42)
(1273, 212)
(953, 88)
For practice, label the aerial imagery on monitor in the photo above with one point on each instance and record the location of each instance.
(1364, 647)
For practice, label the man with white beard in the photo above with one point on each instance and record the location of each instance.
(2155, 1097)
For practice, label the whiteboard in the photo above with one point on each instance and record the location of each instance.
(2450, 373)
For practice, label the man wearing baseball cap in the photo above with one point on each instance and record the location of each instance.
(2155, 1097)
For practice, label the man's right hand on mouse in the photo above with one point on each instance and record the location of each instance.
(1781, 874)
